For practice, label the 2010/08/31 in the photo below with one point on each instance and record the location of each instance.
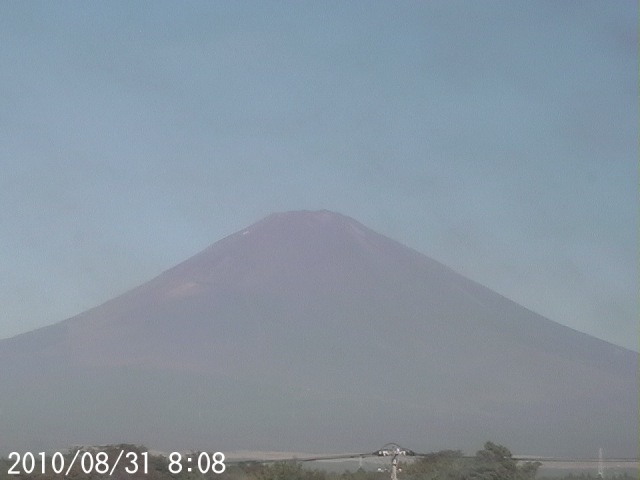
(99, 462)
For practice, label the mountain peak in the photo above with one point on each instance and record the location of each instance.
(288, 248)
(318, 219)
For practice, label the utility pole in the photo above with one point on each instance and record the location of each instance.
(600, 464)
(392, 450)
(394, 468)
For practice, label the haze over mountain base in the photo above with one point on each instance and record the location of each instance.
(308, 331)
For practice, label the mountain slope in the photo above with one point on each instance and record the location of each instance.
(308, 330)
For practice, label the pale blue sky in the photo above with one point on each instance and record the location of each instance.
(499, 138)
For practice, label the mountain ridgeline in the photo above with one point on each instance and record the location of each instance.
(308, 331)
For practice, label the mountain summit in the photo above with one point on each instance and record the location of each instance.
(308, 331)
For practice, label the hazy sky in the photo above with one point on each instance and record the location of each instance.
(499, 138)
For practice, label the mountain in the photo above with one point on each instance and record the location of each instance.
(308, 331)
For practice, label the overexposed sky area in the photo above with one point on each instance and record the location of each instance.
(499, 138)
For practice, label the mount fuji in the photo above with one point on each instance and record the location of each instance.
(308, 331)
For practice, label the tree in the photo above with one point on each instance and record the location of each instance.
(495, 462)
(443, 465)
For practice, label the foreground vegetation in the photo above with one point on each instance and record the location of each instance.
(494, 462)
